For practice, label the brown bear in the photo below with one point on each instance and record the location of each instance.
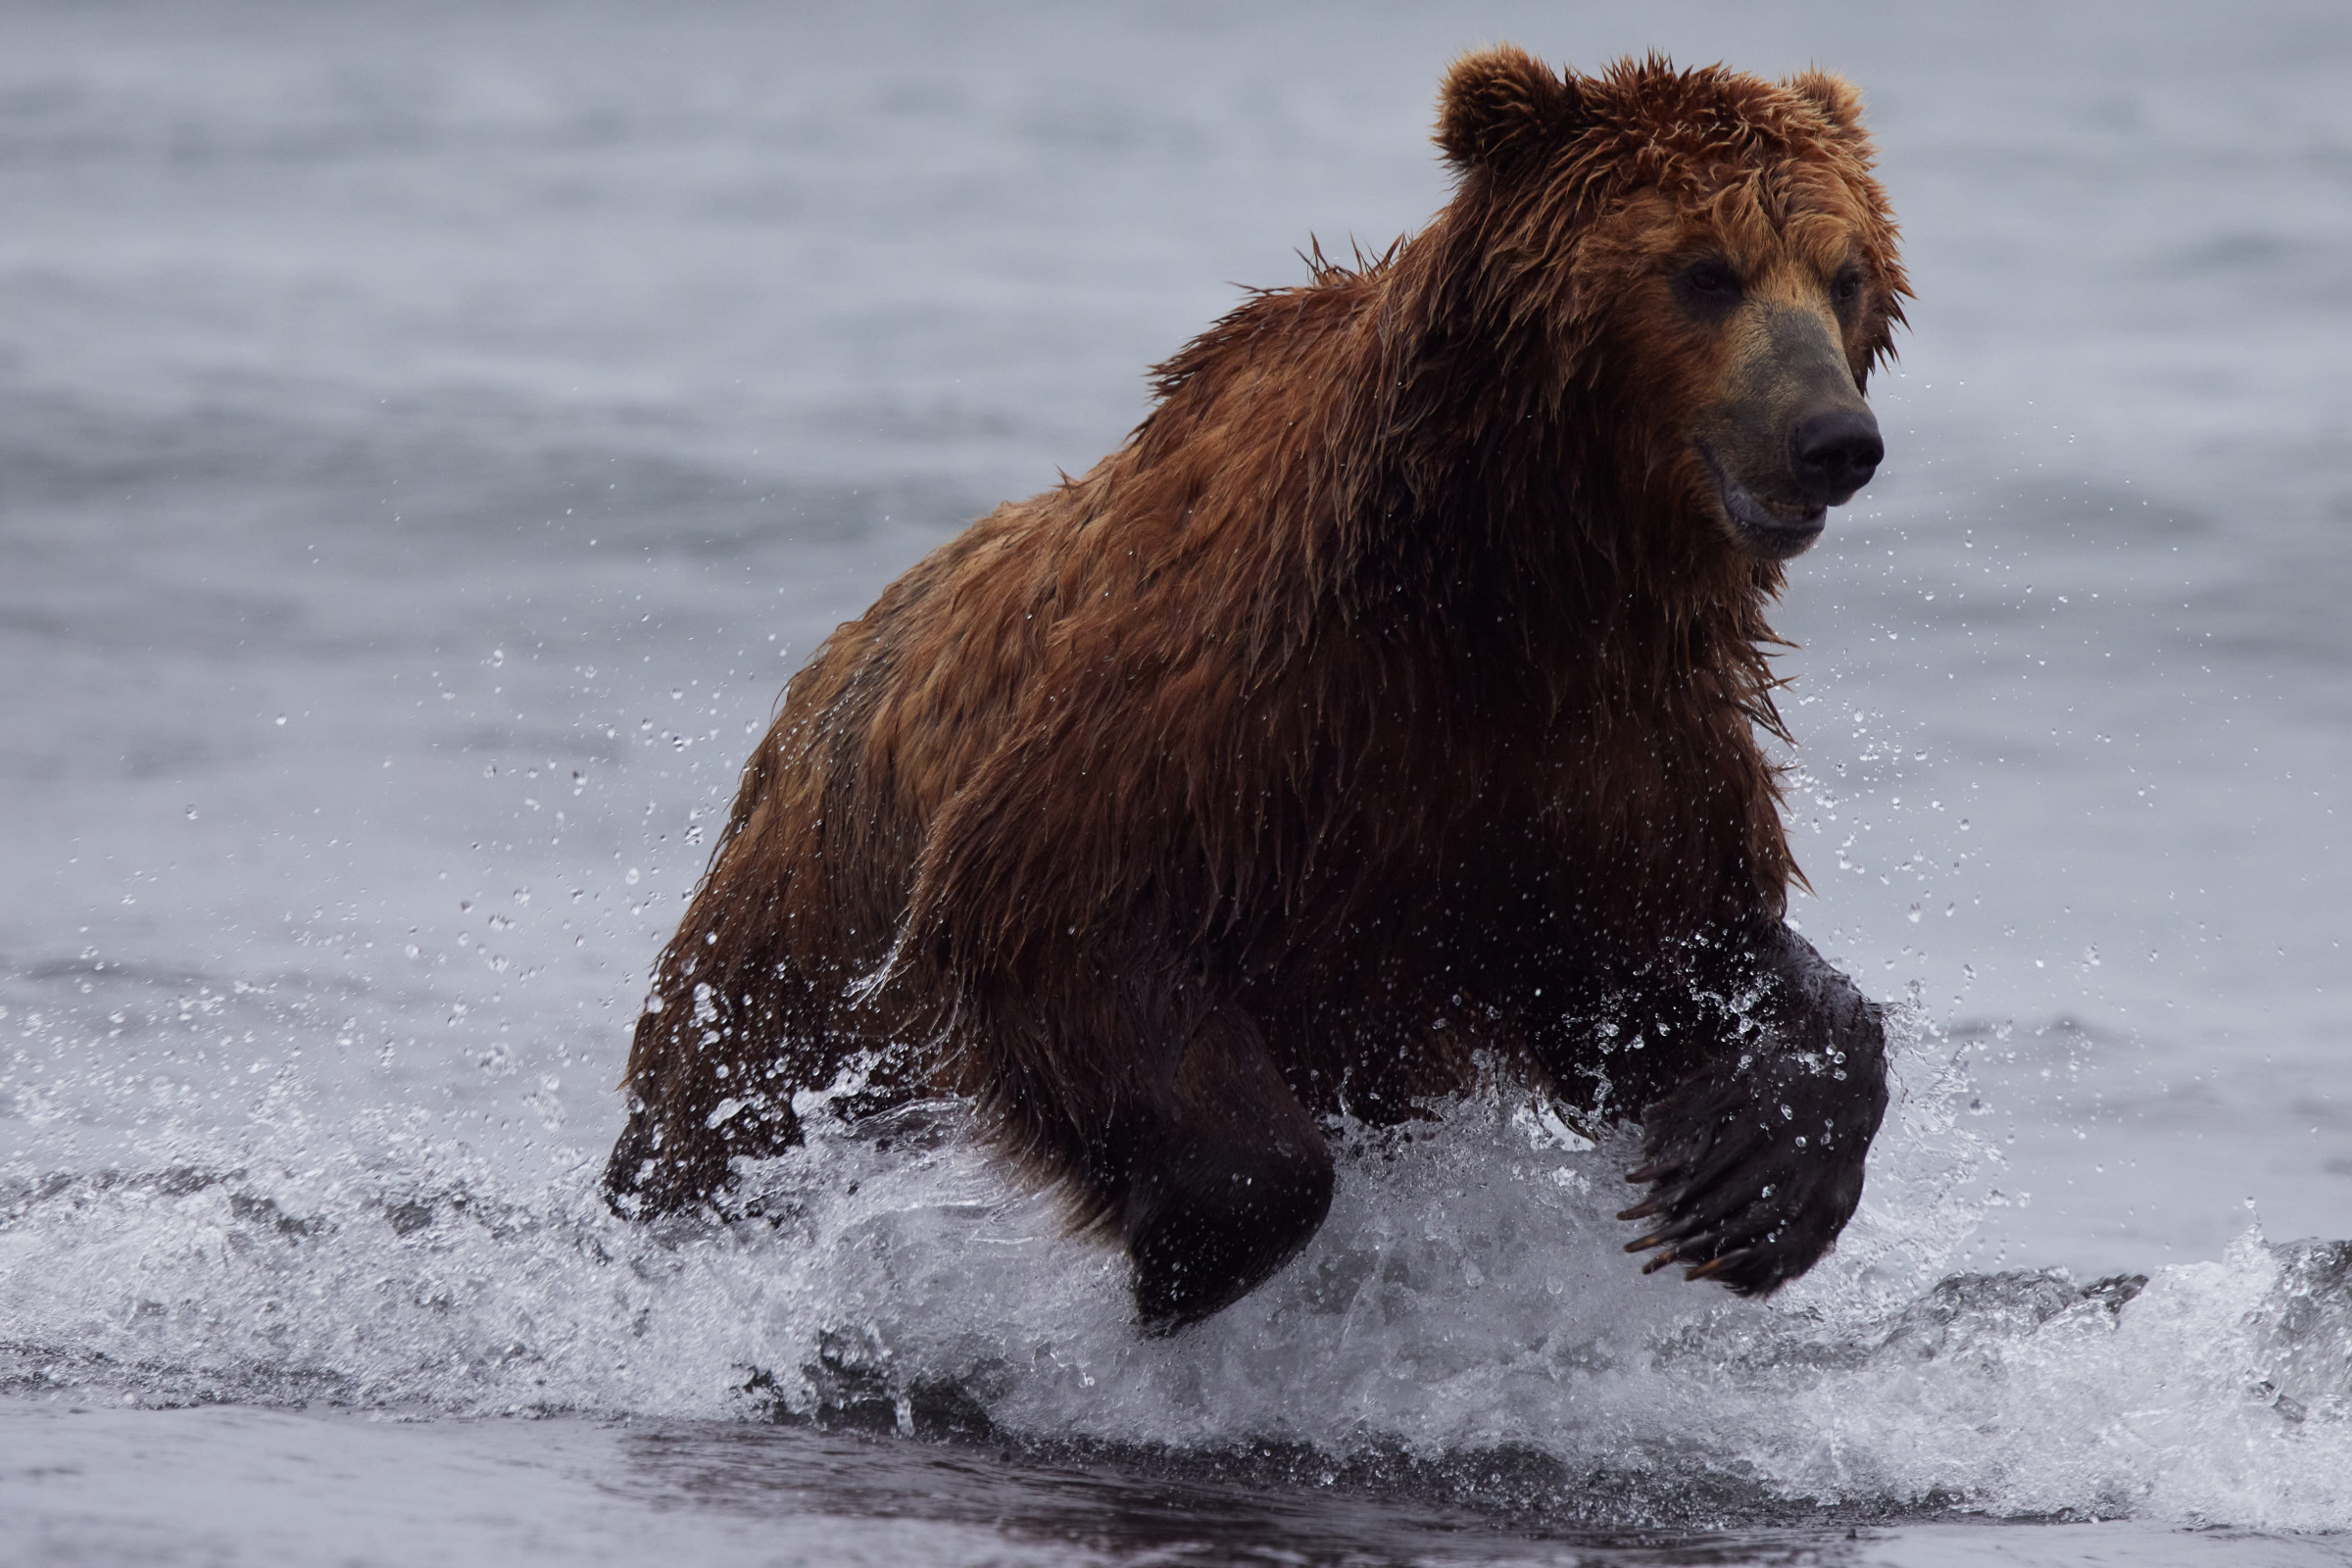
(1383, 713)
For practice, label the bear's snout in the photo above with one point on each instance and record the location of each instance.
(1791, 437)
(1833, 454)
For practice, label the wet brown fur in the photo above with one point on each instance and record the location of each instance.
(1392, 692)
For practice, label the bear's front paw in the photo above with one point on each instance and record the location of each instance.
(1757, 1166)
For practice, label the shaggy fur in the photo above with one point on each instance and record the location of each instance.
(1386, 705)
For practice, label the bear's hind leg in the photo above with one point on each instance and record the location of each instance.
(692, 1113)
(1226, 1182)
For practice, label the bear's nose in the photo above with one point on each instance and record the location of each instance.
(1834, 454)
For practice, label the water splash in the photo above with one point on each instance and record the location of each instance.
(1464, 1311)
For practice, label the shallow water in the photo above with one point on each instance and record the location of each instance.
(430, 436)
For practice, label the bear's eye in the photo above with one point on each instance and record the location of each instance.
(1846, 288)
(1708, 289)
(1711, 279)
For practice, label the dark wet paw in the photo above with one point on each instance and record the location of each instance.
(1755, 1168)
(1212, 1225)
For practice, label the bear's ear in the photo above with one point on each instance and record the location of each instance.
(1499, 104)
(1834, 96)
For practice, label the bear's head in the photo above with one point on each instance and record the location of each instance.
(1702, 260)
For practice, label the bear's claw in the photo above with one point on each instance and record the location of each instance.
(1738, 1194)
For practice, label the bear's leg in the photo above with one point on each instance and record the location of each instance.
(1229, 1178)
(1758, 1156)
(692, 1112)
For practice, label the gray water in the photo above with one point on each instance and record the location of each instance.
(430, 434)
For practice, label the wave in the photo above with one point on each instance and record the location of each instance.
(1463, 1324)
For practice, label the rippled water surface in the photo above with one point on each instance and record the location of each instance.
(429, 435)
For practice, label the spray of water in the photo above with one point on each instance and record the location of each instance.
(1464, 1311)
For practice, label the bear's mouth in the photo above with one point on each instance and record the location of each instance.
(1772, 529)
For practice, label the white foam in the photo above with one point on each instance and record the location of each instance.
(1467, 1294)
